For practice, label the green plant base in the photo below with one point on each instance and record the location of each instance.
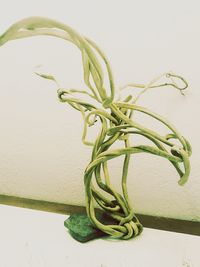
(81, 228)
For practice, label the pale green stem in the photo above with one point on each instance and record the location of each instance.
(119, 120)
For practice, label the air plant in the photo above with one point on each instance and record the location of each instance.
(117, 124)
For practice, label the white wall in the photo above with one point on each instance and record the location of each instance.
(41, 153)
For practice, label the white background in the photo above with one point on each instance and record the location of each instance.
(41, 154)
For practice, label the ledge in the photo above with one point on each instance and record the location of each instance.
(161, 223)
(36, 239)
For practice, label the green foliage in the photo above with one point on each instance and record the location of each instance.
(117, 123)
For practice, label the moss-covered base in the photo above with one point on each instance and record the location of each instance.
(81, 228)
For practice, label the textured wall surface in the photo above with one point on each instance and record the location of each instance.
(41, 153)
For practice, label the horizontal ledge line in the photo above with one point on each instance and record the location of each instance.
(149, 221)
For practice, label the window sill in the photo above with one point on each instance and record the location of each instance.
(35, 238)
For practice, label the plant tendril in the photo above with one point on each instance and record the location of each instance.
(117, 124)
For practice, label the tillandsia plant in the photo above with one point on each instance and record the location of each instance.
(115, 215)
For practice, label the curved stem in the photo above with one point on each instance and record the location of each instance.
(118, 117)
